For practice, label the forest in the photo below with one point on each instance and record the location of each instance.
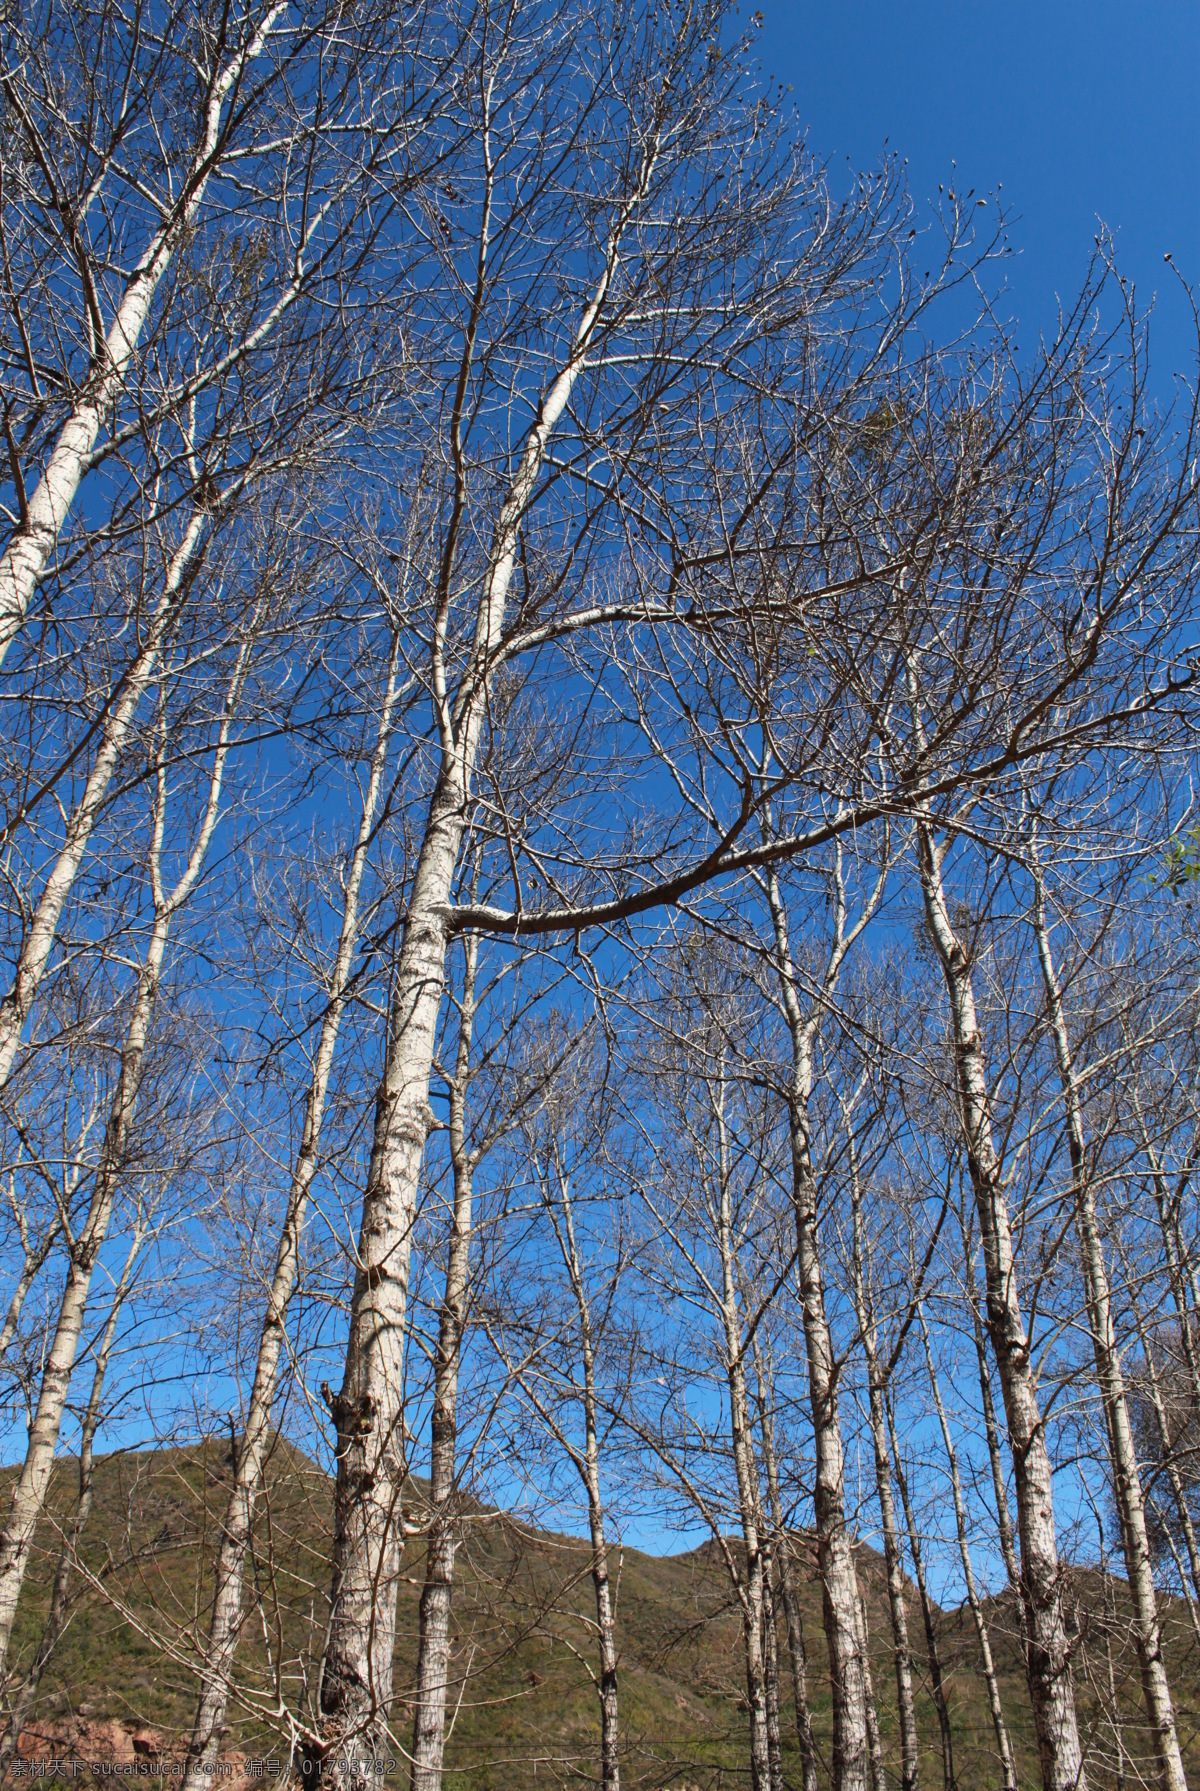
(599, 1074)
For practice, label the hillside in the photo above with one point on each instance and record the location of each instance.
(526, 1714)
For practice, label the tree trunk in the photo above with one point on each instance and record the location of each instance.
(878, 1776)
(1003, 1745)
(433, 1635)
(29, 1489)
(1127, 1483)
(791, 1611)
(610, 1724)
(839, 1583)
(771, 1673)
(35, 950)
(24, 559)
(1163, 1425)
(610, 1733)
(356, 1678)
(1048, 1653)
(749, 1504)
(225, 1623)
(876, 1388)
(936, 1684)
(68, 1553)
(1003, 1517)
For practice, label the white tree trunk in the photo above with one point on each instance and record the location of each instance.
(791, 1610)
(606, 1625)
(433, 1633)
(1003, 1745)
(1127, 1482)
(1048, 1653)
(356, 1679)
(746, 1475)
(771, 1671)
(24, 559)
(39, 940)
(1003, 1517)
(29, 1490)
(1167, 1445)
(69, 1549)
(226, 1621)
(876, 1387)
(936, 1684)
(839, 1582)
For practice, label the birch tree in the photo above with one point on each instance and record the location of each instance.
(641, 261)
(433, 1634)
(1048, 1646)
(782, 1550)
(1127, 1478)
(1003, 1744)
(227, 1606)
(182, 187)
(58, 1612)
(877, 1387)
(835, 1555)
(563, 1352)
(84, 1245)
(708, 1203)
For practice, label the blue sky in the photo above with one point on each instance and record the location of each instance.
(1079, 110)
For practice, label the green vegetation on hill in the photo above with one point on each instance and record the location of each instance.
(523, 1710)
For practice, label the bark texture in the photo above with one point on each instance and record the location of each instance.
(1048, 1652)
(227, 1609)
(1003, 1745)
(1127, 1481)
(433, 1632)
(356, 1679)
(839, 1582)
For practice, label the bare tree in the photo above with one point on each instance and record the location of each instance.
(593, 1299)
(58, 1612)
(160, 239)
(650, 261)
(1048, 1645)
(936, 1681)
(782, 1557)
(878, 1374)
(433, 1634)
(226, 1619)
(835, 1553)
(1003, 1744)
(83, 1246)
(1121, 1442)
(707, 1203)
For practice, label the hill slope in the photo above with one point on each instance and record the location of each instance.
(523, 1708)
